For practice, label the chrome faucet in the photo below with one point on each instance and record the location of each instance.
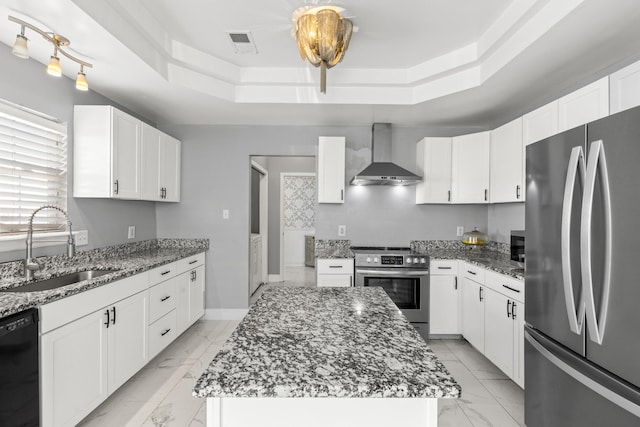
(31, 265)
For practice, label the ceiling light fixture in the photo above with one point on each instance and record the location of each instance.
(323, 37)
(21, 50)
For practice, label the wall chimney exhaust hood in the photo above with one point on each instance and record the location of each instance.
(382, 171)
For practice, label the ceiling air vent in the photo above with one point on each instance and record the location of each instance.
(242, 42)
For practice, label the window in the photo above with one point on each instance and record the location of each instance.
(33, 169)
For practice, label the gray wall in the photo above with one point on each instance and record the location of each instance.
(218, 177)
(26, 83)
(503, 218)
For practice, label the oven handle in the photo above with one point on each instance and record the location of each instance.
(393, 273)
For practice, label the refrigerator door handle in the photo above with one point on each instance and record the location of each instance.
(595, 386)
(596, 163)
(575, 167)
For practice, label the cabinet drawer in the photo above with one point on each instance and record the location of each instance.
(162, 333)
(448, 267)
(189, 263)
(162, 299)
(335, 280)
(335, 266)
(508, 286)
(162, 273)
(473, 272)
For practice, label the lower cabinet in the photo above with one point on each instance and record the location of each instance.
(93, 342)
(473, 312)
(87, 359)
(334, 272)
(444, 298)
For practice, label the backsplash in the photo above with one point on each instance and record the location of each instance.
(426, 246)
(333, 249)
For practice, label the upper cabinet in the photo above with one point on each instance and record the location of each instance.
(331, 169)
(470, 168)
(624, 88)
(540, 124)
(160, 166)
(585, 105)
(507, 163)
(118, 156)
(434, 165)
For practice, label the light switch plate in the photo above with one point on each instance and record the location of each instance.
(459, 231)
(342, 230)
(225, 213)
(132, 232)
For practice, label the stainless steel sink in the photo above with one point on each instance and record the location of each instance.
(57, 282)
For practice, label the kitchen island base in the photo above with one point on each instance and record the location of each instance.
(321, 412)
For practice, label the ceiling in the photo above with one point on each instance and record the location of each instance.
(430, 63)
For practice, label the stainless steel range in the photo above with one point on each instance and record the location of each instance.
(402, 274)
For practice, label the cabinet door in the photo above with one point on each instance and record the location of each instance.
(73, 370)
(470, 168)
(331, 169)
(444, 301)
(540, 123)
(498, 338)
(434, 165)
(196, 295)
(150, 165)
(507, 163)
(127, 342)
(170, 168)
(624, 88)
(585, 105)
(335, 280)
(126, 156)
(473, 313)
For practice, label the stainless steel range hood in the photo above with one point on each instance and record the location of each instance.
(382, 171)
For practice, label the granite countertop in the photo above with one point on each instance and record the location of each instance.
(490, 259)
(127, 259)
(325, 342)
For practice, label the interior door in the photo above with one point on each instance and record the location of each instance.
(620, 349)
(546, 307)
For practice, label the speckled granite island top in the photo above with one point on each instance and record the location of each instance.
(127, 259)
(325, 342)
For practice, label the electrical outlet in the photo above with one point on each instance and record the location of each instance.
(82, 237)
(459, 231)
(132, 232)
(225, 213)
(342, 230)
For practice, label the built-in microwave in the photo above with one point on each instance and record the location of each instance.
(517, 247)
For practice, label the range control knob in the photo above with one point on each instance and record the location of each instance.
(408, 260)
(375, 259)
(416, 260)
(423, 260)
(368, 259)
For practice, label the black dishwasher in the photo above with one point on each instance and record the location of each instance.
(19, 379)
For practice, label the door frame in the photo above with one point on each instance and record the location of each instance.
(282, 175)
(264, 221)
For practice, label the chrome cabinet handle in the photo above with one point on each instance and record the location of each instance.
(597, 162)
(513, 310)
(508, 308)
(575, 169)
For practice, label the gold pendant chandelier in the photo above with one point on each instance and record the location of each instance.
(323, 37)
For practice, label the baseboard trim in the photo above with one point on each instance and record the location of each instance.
(225, 313)
(276, 278)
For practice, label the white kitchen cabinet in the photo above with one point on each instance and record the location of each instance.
(87, 359)
(160, 166)
(334, 272)
(106, 153)
(190, 297)
(470, 168)
(624, 88)
(584, 105)
(331, 169)
(507, 163)
(444, 298)
(115, 158)
(540, 123)
(473, 308)
(434, 165)
(498, 338)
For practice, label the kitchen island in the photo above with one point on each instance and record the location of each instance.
(324, 357)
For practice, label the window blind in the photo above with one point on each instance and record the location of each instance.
(33, 170)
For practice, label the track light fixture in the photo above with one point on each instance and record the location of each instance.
(21, 50)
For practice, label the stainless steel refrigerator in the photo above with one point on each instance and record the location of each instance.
(582, 305)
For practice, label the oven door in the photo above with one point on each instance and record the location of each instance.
(408, 289)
